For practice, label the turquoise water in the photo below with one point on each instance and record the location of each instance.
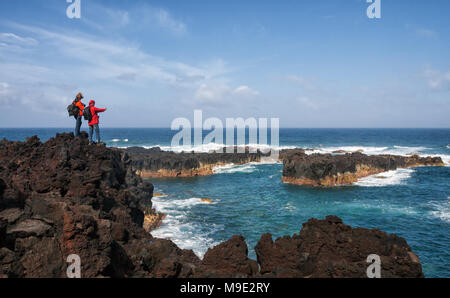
(251, 199)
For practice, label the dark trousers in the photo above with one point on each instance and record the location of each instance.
(78, 125)
(91, 133)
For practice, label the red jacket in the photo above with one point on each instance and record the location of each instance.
(94, 113)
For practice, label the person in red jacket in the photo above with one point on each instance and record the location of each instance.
(93, 124)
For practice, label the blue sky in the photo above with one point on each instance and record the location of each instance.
(315, 63)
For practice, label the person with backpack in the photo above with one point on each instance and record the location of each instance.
(91, 114)
(77, 111)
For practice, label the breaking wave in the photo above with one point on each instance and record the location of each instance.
(394, 150)
(396, 177)
(119, 140)
(442, 211)
(177, 227)
(231, 169)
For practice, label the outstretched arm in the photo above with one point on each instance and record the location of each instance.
(99, 110)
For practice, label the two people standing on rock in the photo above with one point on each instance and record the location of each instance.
(90, 114)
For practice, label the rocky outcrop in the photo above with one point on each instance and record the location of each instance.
(333, 170)
(154, 163)
(66, 197)
(228, 259)
(329, 249)
(324, 249)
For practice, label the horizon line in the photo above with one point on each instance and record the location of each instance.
(161, 127)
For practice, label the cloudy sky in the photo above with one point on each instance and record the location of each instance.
(311, 63)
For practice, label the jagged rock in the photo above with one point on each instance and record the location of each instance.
(9, 265)
(228, 259)
(164, 259)
(66, 197)
(11, 215)
(153, 162)
(328, 249)
(333, 170)
(28, 228)
(2, 188)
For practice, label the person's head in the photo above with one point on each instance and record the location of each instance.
(92, 103)
(80, 96)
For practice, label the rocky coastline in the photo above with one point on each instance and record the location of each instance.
(339, 168)
(65, 197)
(335, 170)
(155, 163)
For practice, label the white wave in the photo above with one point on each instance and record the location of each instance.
(445, 157)
(215, 147)
(448, 146)
(231, 169)
(442, 211)
(385, 179)
(395, 150)
(163, 205)
(118, 140)
(364, 149)
(383, 207)
(290, 207)
(370, 150)
(186, 235)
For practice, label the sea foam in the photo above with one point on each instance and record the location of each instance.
(396, 177)
(394, 150)
(231, 169)
(442, 210)
(176, 227)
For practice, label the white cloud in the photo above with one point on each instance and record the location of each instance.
(33, 98)
(305, 83)
(447, 76)
(308, 102)
(437, 79)
(213, 92)
(246, 91)
(108, 60)
(165, 20)
(139, 16)
(426, 33)
(218, 92)
(16, 41)
(119, 16)
(4, 90)
(115, 69)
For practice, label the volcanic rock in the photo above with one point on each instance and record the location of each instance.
(330, 249)
(334, 170)
(154, 163)
(66, 197)
(228, 259)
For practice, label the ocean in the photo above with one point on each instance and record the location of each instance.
(250, 200)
